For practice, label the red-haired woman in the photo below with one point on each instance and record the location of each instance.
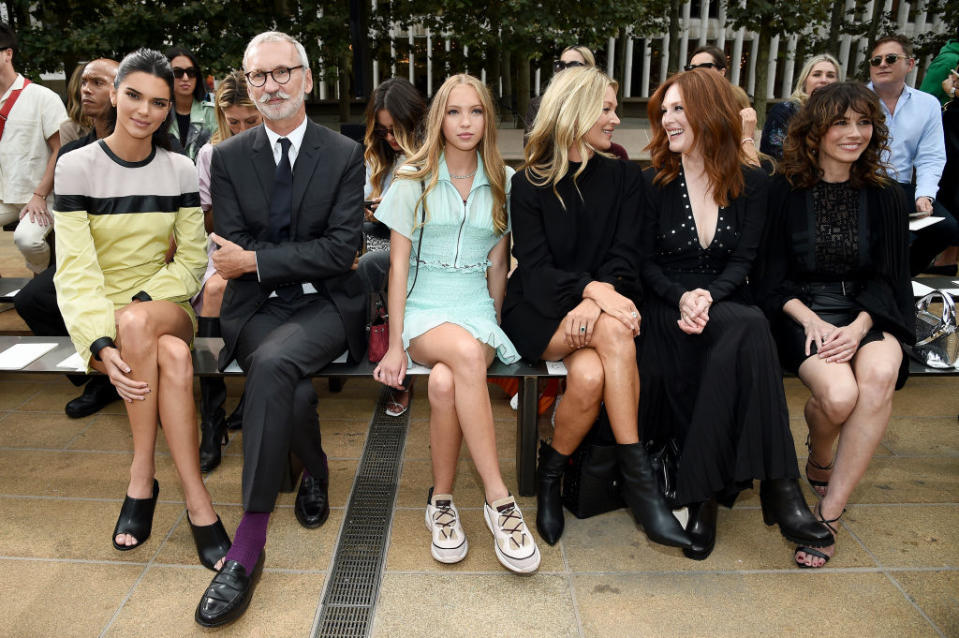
(710, 375)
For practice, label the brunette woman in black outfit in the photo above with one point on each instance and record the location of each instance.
(573, 297)
(711, 380)
(835, 284)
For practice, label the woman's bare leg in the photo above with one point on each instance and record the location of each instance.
(446, 437)
(213, 290)
(468, 360)
(616, 347)
(834, 393)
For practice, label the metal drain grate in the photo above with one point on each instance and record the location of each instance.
(361, 551)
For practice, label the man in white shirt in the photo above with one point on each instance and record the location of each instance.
(916, 143)
(28, 152)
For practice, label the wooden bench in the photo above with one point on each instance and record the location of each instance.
(207, 350)
(10, 286)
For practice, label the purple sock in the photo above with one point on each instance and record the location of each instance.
(249, 540)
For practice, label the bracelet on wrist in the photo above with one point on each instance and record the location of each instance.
(747, 139)
(36, 194)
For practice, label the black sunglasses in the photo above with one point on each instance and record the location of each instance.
(891, 58)
(703, 65)
(381, 132)
(559, 65)
(190, 72)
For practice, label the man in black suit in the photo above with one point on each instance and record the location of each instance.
(288, 197)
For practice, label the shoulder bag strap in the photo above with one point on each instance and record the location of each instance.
(8, 105)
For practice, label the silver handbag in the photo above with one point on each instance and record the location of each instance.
(937, 342)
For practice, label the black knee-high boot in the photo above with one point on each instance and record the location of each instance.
(213, 432)
(549, 503)
(642, 494)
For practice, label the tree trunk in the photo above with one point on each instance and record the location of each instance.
(875, 22)
(675, 63)
(836, 20)
(762, 73)
(493, 75)
(343, 77)
(523, 87)
(507, 99)
(619, 72)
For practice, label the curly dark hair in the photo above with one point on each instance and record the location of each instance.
(800, 163)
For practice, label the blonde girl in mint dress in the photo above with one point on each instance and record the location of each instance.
(449, 254)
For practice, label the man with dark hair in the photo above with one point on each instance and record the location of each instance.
(30, 117)
(288, 197)
(916, 142)
(37, 301)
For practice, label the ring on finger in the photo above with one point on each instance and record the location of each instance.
(582, 328)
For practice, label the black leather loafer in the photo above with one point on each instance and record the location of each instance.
(97, 394)
(229, 594)
(212, 542)
(312, 506)
(136, 519)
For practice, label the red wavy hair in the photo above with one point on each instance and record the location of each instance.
(713, 114)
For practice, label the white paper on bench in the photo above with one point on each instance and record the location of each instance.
(556, 368)
(920, 290)
(918, 224)
(73, 362)
(235, 367)
(12, 293)
(20, 355)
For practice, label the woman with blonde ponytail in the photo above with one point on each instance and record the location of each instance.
(574, 296)
(449, 253)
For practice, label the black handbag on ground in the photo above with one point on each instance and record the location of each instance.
(592, 481)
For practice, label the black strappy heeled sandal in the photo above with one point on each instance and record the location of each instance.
(819, 487)
(812, 551)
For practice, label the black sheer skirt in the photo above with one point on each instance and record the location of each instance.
(719, 395)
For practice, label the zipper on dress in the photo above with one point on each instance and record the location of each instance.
(459, 235)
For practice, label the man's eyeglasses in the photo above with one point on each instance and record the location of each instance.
(190, 72)
(280, 75)
(702, 65)
(382, 132)
(559, 65)
(890, 58)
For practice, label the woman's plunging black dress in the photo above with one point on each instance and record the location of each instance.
(718, 394)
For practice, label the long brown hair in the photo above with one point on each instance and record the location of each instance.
(231, 92)
(712, 113)
(425, 162)
(800, 163)
(407, 107)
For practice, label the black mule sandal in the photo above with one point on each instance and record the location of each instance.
(136, 519)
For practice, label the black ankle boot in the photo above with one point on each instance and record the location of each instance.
(701, 528)
(783, 504)
(549, 503)
(641, 492)
(213, 432)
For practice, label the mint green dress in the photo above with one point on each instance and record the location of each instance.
(451, 287)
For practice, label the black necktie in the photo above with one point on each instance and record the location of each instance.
(281, 208)
(281, 204)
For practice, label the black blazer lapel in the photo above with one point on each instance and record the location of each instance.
(263, 162)
(307, 159)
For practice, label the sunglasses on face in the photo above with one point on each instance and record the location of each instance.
(890, 58)
(559, 65)
(190, 72)
(382, 132)
(703, 65)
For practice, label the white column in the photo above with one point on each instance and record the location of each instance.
(902, 17)
(322, 83)
(736, 58)
(845, 40)
(647, 61)
(721, 25)
(466, 56)
(429, 64)
(610, 56)
(790, 67)
(863, 52)
(410, 32)
(751, 76)
(446, 63)
(703, 21)
(536, 80)
(392, 52)
(627, 69)
(483, 75)
(684, 37)
(771, 68)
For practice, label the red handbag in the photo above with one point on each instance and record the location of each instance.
(379, 329)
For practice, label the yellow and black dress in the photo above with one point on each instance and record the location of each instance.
(114, 219)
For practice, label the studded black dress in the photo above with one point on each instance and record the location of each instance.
(718, 394)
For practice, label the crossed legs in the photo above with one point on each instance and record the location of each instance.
(851, 402)
(153, 338)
